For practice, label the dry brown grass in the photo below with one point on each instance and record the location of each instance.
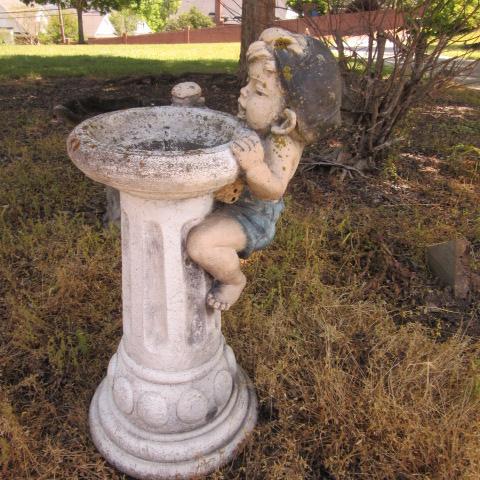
(356, 376)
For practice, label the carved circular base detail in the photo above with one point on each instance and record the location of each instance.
(150, 456)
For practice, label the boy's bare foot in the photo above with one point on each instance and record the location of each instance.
(223, 295)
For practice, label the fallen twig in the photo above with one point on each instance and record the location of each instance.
(326, 163)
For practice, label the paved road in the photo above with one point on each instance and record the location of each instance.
(472, 78)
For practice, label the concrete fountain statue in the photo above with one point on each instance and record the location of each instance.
(198, 189)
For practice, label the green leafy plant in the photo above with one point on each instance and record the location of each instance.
(53, 33)
(155, 12)
(125, 21)
(320, 6)
(194, 18)
(399, 65)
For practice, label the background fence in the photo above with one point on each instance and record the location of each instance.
(343, 24)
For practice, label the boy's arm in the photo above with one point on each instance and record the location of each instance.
(268, 170)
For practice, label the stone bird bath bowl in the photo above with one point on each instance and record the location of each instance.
(174, 403)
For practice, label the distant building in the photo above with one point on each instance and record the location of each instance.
(32, 20)
(96, 25)
(21, 19)
(142, 28)
(231, 10)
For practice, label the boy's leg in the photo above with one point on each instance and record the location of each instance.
(214, 245)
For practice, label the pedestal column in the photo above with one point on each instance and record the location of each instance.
(174, 403)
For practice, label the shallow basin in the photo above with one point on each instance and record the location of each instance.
(158, 152)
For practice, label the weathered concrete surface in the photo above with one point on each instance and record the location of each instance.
(185, 94)
(157, 152)
(277, 105)
(174, 403)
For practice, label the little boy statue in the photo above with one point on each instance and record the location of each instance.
(293, 94)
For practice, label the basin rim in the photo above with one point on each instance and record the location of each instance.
(157, 174)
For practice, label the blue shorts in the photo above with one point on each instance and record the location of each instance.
(258, 219)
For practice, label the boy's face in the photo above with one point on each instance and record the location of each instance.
(261, 101)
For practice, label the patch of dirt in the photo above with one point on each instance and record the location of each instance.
(221, 90)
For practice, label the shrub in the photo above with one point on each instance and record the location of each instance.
(155, 12)
(382, 84)
(53, 33)
(6, 37)
(320, 6)
(125, 21)
(194, 18)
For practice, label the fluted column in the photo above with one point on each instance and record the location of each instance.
(165, 320)
(174, 402)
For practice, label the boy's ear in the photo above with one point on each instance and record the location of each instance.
(288, 124)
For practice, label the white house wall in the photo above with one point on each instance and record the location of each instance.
(105, 29)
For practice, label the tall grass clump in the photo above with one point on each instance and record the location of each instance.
(343, 389)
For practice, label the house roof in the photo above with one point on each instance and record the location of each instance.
(13, 6)
(22, 18)
(91, 23)
(94, 23)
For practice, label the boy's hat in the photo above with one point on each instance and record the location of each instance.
(311, 79)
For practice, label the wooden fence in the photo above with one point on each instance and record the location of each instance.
(344, 24)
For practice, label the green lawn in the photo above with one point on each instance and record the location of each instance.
(20, 61)
(465, 44)
(453, 51)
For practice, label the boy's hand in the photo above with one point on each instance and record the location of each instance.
(248, 151)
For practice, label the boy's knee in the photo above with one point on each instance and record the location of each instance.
(195, 245)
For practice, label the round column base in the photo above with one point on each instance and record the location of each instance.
(145, 455)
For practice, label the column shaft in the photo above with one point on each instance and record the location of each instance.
(167, 325)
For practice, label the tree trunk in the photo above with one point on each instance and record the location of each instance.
(62, 27)
(81, 37)
(218, 12)
(257, 15)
